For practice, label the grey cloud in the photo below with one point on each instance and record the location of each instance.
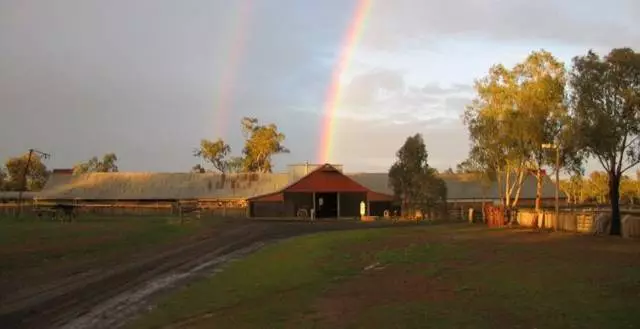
(436, 89)
(402, 103)
(376, 148)
(143, 79)
(367, 88)
(591, 23)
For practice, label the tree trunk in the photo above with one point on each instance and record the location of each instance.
(520, 182)
(614, 198)
(507, 188)
(538, 189)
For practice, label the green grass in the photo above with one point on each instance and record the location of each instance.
(452, 276)
(35, 250)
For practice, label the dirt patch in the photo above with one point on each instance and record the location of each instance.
(58, 302)
(343, 303)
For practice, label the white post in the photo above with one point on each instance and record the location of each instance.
(313, 210)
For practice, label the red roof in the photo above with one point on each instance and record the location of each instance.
(324, 179)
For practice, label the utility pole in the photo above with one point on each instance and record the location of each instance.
(25, 172)
(557, 201)
(557, 186)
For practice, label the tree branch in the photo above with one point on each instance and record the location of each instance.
(602, 162)
(623, 148)
(632, 141)
(630, 166)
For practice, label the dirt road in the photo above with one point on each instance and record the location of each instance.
(108, 299)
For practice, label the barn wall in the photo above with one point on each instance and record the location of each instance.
(377, 208)
(350, 204)
(267, 209)
(210, 208)
(295, 201)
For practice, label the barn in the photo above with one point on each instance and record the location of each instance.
(292, 193)
(327, 190)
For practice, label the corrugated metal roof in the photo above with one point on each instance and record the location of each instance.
(13, 195)
(150, 186)
(461, 186)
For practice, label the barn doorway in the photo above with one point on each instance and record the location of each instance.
(327, 205)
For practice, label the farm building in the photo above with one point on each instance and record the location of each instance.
(295, 192)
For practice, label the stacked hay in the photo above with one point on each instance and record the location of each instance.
(584, 223)
(631, 226)
(567, 222)
(527, 218)
(602, 224)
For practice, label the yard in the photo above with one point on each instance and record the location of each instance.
(440, 276)
(34, 251)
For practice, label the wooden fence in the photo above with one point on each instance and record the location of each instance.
(132, 209)
(580, 221)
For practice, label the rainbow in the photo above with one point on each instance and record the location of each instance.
(334, 92)
(230, 71)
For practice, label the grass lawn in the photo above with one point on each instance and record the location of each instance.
(37, 250)
(445, 276)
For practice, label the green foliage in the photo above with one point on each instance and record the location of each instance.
(515, 112)
(414, 183)
(574, 188)
(595, 188)
(214, 153)
(36, 176)
(605, 101)
(235, 164)
(107, 164)
(628, 190)
(261, 143)
(598, 186)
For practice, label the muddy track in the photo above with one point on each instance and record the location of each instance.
(62, 304)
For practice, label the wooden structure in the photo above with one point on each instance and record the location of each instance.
(325, 192)
(495, 216)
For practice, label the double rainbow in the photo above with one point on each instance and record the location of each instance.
(334, 92)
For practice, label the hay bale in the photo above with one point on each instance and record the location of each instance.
(584, 223)
(602, 224)
(527, 218)
(567, 222)
(548, 219)
(631, 226)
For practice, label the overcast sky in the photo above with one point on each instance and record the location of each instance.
(147, 79)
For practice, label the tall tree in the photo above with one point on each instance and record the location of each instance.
(605, 103)
(496, 130)
(214, 152)
(107, 164)
(541, 100)
(515, 112)
(414, 183)
(261, 143)
(598, 186)
(36, 175)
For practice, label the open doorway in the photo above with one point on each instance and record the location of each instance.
(327, 205)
